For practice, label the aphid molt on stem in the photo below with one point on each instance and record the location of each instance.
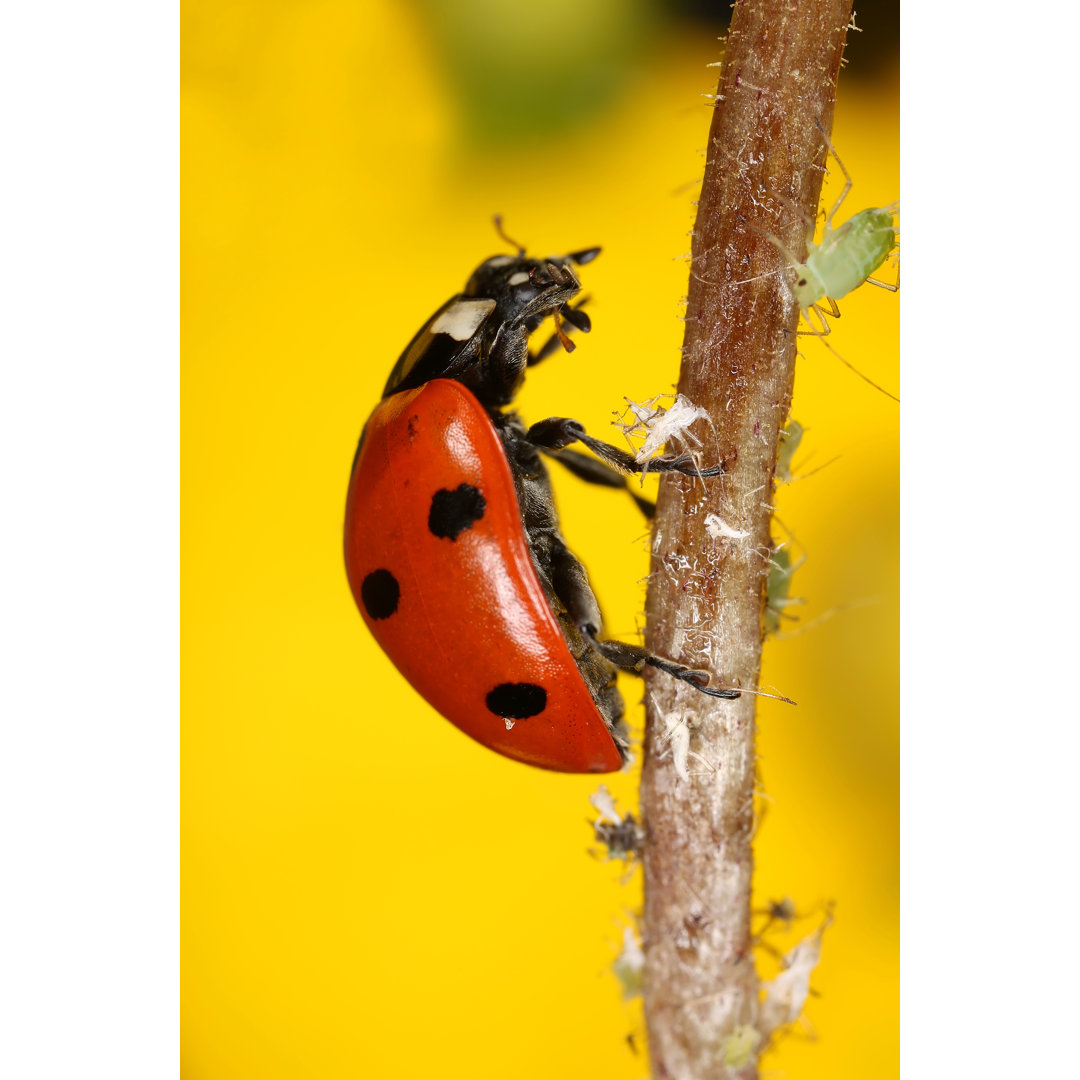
(452, 542)
(621, 835)
(841, 261)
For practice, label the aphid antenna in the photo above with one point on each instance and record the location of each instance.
(849, 364)
(789, 570)
(750, 494)
(775, 240)
(788, 203)
(756, 277)
(791, 535)
(758, 554)
(704, 281)
(688, 186)
(825, 616)
(807, 475)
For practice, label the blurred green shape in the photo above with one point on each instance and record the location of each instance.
(522, 70)
(776, 590)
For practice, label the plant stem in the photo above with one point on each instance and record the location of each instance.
(706, 593)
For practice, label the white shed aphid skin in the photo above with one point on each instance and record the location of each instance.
(844, 258)
(653, 426)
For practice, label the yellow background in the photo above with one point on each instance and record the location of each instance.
(367, 893)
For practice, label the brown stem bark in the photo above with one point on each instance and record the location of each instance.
(763, 176)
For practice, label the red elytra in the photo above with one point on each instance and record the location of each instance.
(440, 568)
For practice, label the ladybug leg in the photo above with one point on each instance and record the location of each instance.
(557, 432)
(634, 658)
(596, 472)
(571, 585)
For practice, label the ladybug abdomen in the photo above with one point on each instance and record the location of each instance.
(439, 564)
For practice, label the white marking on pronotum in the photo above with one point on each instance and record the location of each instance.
(500, 260)
(461, 320)
(519, 278)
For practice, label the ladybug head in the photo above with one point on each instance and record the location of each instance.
(527, 290)
(481, 336)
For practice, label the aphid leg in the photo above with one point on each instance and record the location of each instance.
(775, 240)
(558, 432)
(634, 658)
(825, 327)
(884, 284)
(847, 176)
(596, 472)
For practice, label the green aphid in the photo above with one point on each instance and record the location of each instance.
(845, 257)
(790, 437)
(781, 570)
(740, 1047)
(841, 261)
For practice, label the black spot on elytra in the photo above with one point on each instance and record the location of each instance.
(380, 593)
(517, 700)
(452, 512)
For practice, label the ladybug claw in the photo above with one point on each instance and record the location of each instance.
(684, 464)
(700, 680)
(726, 694)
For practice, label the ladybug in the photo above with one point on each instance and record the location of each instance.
(452, 541)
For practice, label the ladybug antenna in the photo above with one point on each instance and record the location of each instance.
(502, 234)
